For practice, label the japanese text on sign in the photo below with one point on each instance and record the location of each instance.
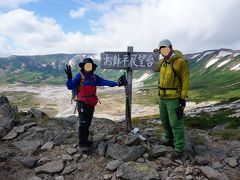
(124, 60)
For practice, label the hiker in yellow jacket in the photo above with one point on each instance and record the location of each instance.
(173, 90)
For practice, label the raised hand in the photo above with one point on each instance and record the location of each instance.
(122, 81)
(68, 71)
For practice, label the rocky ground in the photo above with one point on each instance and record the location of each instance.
(34, 147)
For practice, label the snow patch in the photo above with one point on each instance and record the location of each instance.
(143, 77)
(223, 53)
(205, 54)
(236, 54)
(211, 62)
(236, 68)
(195, 55)
(224, 62)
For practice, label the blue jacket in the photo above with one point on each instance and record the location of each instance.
(74, 83)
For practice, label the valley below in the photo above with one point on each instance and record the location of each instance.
(55, 101)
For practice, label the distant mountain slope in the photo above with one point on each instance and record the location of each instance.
(213, 73)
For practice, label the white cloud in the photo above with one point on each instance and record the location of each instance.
(191, 25)
(78, 13)
(13, 3)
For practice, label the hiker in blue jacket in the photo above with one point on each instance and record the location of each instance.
(84, 84)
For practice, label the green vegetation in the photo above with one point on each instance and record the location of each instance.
(233, 134)
(209, 120)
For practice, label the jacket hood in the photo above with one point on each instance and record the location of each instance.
(178, 54)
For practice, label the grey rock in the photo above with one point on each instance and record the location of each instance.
(131, 140)
(77, 157)
(48, 145)
(4, 156)
(232, 162)
(189, 177)
(139, 171)
(19, 129)
(212, 174)
(3, 131)
(234, 149)
(36, 113)
(125, 153)
(211, 151)
(59, 178)
(29, 125)
(7, 118)
(66, 157)
(48, 136)
(11, 135)
(34, 178)
(98, 137)
(37, 129)
(164, 174)
(107, 176)
(71, 151)
(3, 100)
(31, 136)
(201, 161)
(102, 149)
(43, 160)
(188, 170)
(59, 140)
(158, 150)
(27, 147)
(69, 169)
(51, 167)
(113, 165)
(217, 165)
(29, 162)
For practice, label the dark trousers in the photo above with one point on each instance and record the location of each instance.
(85, 112)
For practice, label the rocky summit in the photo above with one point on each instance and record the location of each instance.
(37, 147)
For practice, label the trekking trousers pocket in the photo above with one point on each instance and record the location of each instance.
(179, 113)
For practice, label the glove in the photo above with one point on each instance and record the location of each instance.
(122, 81)
(68, 71)
(182, 103)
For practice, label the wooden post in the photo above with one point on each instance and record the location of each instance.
(129, 93)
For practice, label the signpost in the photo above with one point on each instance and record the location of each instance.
(129, 61)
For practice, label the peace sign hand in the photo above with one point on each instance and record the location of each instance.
(68, 71)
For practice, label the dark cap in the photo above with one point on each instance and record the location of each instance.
(87, 60)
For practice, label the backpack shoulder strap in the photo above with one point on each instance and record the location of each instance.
(81, 81)
(174, 71)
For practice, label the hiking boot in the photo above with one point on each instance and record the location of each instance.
(175, 155)
(84, 147)
(170, 143)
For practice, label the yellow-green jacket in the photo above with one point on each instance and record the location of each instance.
(171, 86)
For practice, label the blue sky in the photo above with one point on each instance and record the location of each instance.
(76, 26)
(59, 10)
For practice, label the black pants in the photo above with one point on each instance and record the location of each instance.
(85, 112)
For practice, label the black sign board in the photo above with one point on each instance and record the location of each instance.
(127, 60)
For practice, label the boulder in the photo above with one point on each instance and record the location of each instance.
(158, 150)
(66, 157)
(69, 169)
(71, 151)
(139, 171)
(232, 162)
(11, 135)
(29, 162)
(48, 145)
(212, 174)
(125, 153)
(36, 113)
(102, 148)
(113, 165)
(7, 116)
(50, 168)
(34, 178)
(27, 147)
